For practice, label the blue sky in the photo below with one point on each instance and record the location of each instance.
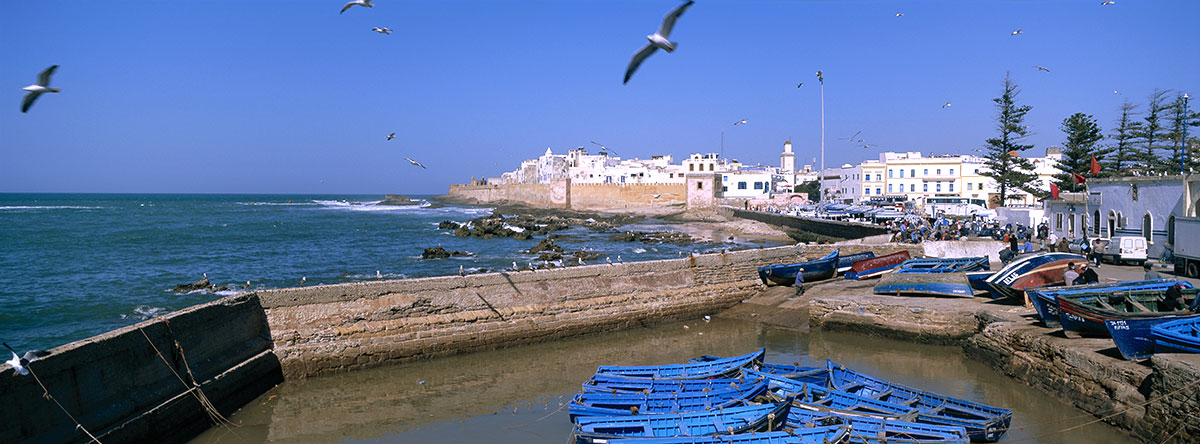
(276, 96)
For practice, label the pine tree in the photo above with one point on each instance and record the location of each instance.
(1152, 137)
(1180, 117)
(1082, 136)
(1123, 137)
(1003, 160)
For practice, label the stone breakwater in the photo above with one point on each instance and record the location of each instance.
(334, 328)
(1156, 401)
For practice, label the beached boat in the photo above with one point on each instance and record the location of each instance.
(846, 262)
(925, 284)
(1047, 309)
(1135, 338)
(728, 421)
(1179, 336)
(871, 430)
(976, 280)
(624, 404)
(814, 435)
(605, 383)
(1085, 313)
(716, 368)
(811, 271)
(869, 268)
(944, 265)
(1030, 271)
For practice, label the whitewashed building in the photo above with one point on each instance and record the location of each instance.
(1125, 206)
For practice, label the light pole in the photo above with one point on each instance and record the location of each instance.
(1183, 144)
(821, 172)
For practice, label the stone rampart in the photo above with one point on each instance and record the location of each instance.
(824, 227)
(122, 390)
(606, 196)
(537, 195)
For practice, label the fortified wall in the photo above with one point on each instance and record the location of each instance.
(562, 193)
(824, 227)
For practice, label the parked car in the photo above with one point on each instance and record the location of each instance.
(1076, 246)
(1125, 249)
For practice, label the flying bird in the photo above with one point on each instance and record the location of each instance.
(851, 138)
(604, 148)
(1042, 68)
(1116, 92)
(1017, 32)
(37, 89)
(363, 3)
(799, 84)
(20, 363)
(657, 40)
(868, 145)
(899, 14)
(415, 163)
(946, 105)
(391, 136)
(382, 30)
(740, 122)
(1109, 2)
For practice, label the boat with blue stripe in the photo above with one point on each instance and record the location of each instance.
(1043, 298)
(624, 404)
(944, 265)
(871, 430)
(1085, 312)
(846, 262)
(727, 421)
(1134, 337)
(605, 383)
(716, 368)
(814, 435)
(811, 271)
(1178, 336)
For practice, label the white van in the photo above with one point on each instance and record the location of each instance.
(1126, 249)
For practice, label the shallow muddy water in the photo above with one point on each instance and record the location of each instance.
(518, 395)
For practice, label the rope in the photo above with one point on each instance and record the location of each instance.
(559, 409)
(46, 394)
(211, 410)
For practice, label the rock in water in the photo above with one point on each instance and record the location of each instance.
(396, 199)
(202, 284)
(441, 253)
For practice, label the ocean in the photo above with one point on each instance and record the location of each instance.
(76, 265)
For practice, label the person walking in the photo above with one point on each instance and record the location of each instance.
(1053, 242)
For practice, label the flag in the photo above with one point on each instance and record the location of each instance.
(1095, 166)
(1079, 178)
(1053, 191)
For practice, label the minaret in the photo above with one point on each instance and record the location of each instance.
(787, 160)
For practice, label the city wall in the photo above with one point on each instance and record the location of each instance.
(562, 193)
(824, 227)
(125, 385)
(536, 194)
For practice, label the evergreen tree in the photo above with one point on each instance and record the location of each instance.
(1082, 136)
(1123, 137)
(1003, 160)
(1180, 117)
(1152, 137)
(812, 188)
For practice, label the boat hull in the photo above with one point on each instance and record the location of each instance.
(811, 271)
(729, 421)
(815, 435)
(1179, 336)
(925, 284)
(1133, 336)
(877, 266)
(716, 368)
(1038, 270)
(845, 263)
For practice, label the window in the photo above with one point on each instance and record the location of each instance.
(710, 167)
(1096, 223)
(925, 187)
(968, 186)
(952, 171)
(1171, 229)
(912, 188)
(699, 185)
(912, 173)
(672, 175)
(938, 187)
(1058, 221)
(939, 171)
(889, 187)
(952, 187)
(925, 172)
(901, 174)
(742, 185)
(878, 191)
(889, 174)
(878, 177)
(758, 185)
(980, 186)
(691, 167)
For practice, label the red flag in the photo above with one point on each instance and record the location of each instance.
(1095, 166)
(1053, 191)
(1079, 178)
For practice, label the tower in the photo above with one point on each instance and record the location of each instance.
(787, 160)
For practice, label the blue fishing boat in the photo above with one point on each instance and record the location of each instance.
(1029, 271)
(815, 435)
(925, 284)
(1043, 298)
(623, 404)
(1085, 312)
(976, 279)
(716, 368)
(874, 267)
(605, 383)
(1178, 336)
(944, 265)
(846, 262)
(871, 430)
(811, 271)
(1134, 337)
(729, 421)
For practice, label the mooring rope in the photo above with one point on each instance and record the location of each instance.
(46, 394)
(213, 414)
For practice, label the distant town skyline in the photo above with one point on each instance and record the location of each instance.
(293, 97)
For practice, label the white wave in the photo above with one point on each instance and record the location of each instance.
(144, 312)
(514, 228)
(639, 250)
(47, 207)
(279, 203)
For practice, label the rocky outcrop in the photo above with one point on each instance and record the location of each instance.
(657, 237)
(396, 199)
(202, 284)
(441, 253)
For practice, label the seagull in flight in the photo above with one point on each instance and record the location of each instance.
(391, 136)
(1017, 32)
(19, 363)
(37, 89)
(868, 145)
(799, 84)
(658, 195)
(657, 40)
(382, 30)
(1109, 2)
(946, 105)
(899, 14)
(604, 148)
(851, 138)
(1116, 92)
(415, 163)
(1042, 68)
(740, 122)
(363, 3)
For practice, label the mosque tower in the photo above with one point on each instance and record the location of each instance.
(787, 160)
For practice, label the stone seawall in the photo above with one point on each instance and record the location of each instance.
(319, 330)
(120, 388)
(824, 227)
(562, 193)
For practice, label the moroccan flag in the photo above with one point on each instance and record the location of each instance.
(1079, 178)
(1053, 191)
(1095, 166)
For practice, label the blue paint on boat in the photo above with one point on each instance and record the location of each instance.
(717, 368)
(811, 271)
(606, 383)
(1177, 336)
(1043, 298)
(1134, 337)
(944, 265)
(727, 421)
(869, 430)
(815, 435)
(845, 262)
(926, 288)
(624, 404)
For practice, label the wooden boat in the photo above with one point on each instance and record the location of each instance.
(1134, 337)
(1047, 309)
(814, 435)
(1030, 271)
(624, 404)
(729, 421)
(976, 279)
(811, 271)
(716, 368)
(1085, 313)
(869, 268)
(846, 262)
(944, 265)
(1178, 336)
(870, 430)
(605, 383)
(925, 284)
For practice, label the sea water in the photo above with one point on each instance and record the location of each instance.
(76, 265)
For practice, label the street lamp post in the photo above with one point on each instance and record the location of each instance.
(1183, 144)
(821, 172)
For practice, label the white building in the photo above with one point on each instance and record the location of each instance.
(748, 183)
(1124, 206)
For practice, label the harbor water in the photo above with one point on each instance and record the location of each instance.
(519, 395)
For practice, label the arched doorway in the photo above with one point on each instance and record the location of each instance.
(1096, 223)
(1148, 228)
(1111, 223)
(1171, 230)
